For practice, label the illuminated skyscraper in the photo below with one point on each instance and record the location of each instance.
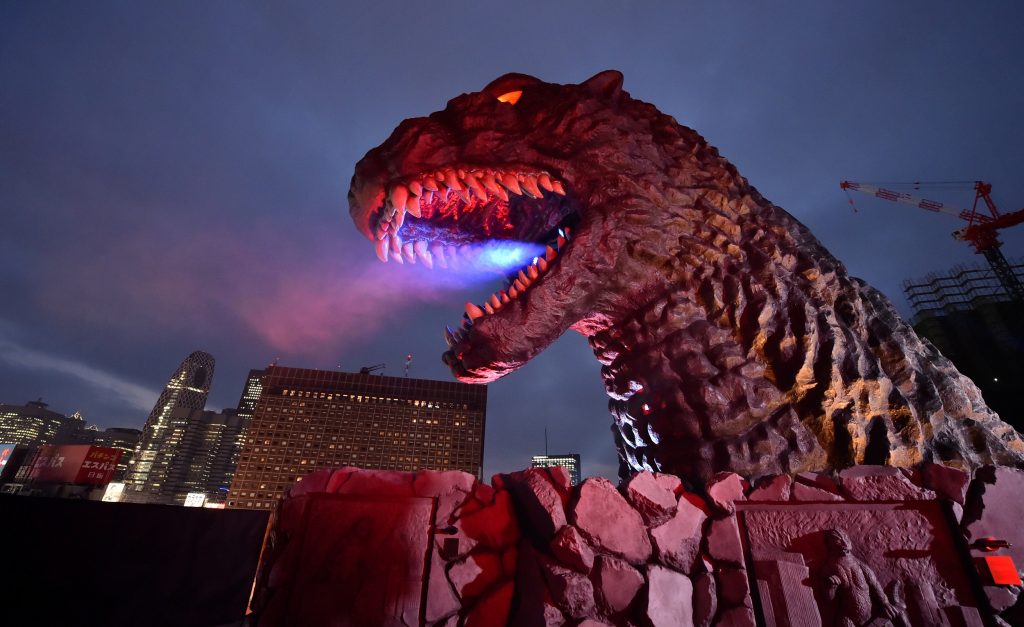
(186, 393)
(569, 461)
(311, 419)
(33, 424)
(251, 393)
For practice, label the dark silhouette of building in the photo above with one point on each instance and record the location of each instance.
(569, 461)
(310, 419)
(147, 479)
(32, 424)
(123, 439)
(968, 316)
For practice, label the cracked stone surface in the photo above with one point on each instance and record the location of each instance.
(616, 583)
(655, 502)
(608, 521)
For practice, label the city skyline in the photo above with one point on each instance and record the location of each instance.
(164, 192)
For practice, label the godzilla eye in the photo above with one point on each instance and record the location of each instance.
(511, 97)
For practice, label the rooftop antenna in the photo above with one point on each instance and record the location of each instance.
(371, 369)
(545, 441)
(408, 360)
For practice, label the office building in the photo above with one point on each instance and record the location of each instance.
(569, 461)
(185, 394)
(208, 447)
(251, 393)
(967, 314)
(32, 424)
(311, 419)
(121, 438)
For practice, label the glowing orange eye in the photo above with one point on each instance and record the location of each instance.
(511, 97)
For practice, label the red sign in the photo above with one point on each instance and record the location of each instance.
(1004, 572)
(75, 463)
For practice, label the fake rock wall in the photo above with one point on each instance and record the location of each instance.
(529, 549)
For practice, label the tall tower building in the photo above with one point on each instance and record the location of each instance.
(311, 419)
(208, 448)
(251, 393)
(186, 393)
(569, 461)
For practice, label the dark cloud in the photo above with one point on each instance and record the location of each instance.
(173, 177)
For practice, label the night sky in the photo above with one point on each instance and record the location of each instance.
(174, 177)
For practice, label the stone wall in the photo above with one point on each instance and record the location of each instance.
(529, 549)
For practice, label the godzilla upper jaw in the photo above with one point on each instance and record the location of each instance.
(438, 217)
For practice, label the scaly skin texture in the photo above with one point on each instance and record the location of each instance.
(730, 339)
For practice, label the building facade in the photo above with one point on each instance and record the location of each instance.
(309, 419)
(185, 394)
(569, 461)
(33, 425)
(968, 316)
(208, 449)
(123, 439)
(251, 393)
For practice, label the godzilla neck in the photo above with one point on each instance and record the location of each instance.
(688, 399)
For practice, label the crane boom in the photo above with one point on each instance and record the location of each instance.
(980, 231)
(914, 201)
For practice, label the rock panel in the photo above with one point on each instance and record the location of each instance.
(572, 550)
(677, 542)
(609, 523)
(616, 583)
(669, 598)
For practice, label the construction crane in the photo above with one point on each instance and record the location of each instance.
(981, 229)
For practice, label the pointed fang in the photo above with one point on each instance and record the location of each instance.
(412, 205)
(530, 186)
(512, 183)
(382, 247)
(399, 194)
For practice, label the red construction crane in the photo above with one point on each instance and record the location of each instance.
(980, 231)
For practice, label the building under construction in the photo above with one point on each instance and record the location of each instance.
(969, 316)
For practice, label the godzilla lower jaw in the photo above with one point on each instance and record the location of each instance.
(440, 217)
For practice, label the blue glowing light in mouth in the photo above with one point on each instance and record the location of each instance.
(504, 256)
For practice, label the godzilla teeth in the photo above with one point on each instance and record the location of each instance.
(410, 199)
(473, 311)
(399, 194)
(499, 300)
(382, 246)
(529, 183)
(417, 195)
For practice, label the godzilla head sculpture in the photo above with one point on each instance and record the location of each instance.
(730, 338)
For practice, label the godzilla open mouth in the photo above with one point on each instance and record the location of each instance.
(445, 217)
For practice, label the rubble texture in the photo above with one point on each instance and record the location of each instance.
(617, 560)
(730, 338)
